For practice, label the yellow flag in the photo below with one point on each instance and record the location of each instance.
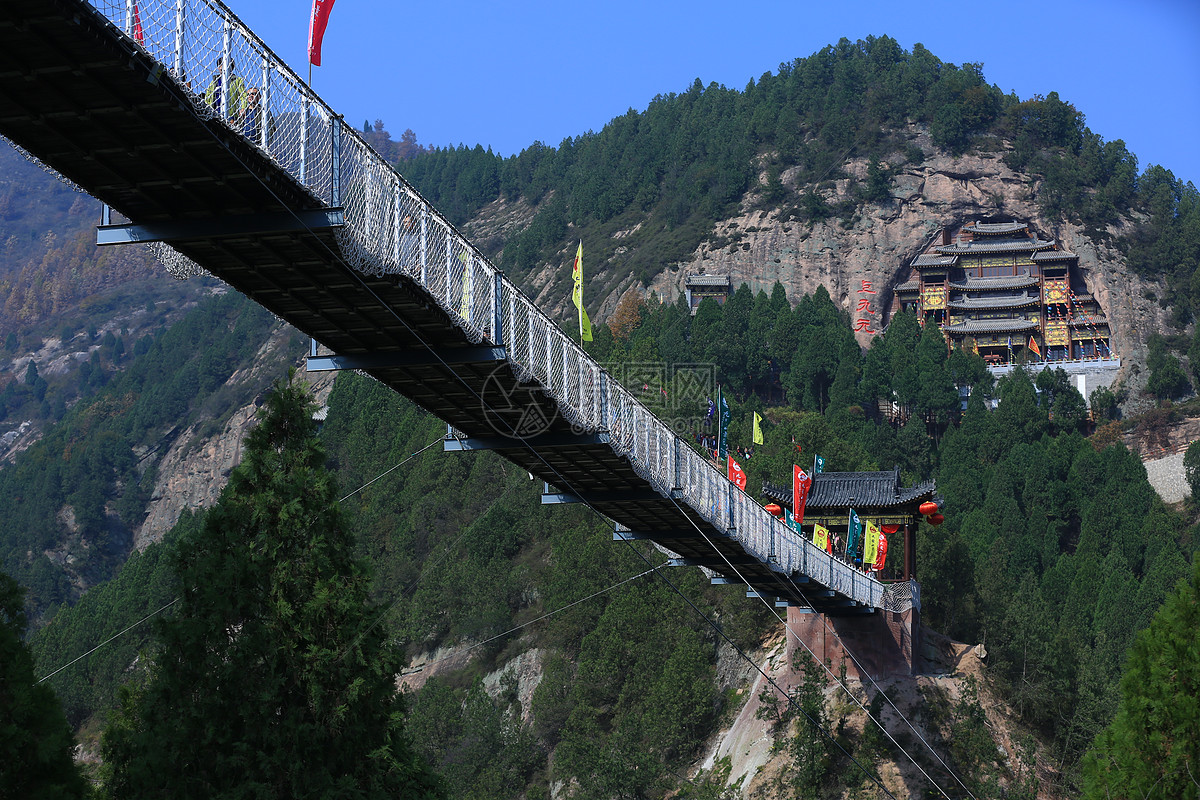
(585, 324)
(758, 437)
(821, 536)
(871, 546)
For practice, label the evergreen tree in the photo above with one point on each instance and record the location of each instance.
(1191, 468)
(1152, 748)
(937, 396)
(270, 680)
(35, 740)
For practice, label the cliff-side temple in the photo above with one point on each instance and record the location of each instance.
(998, 288)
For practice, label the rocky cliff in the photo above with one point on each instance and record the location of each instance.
(759, 246)
(198, 460)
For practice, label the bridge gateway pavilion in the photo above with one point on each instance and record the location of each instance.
(888, 643)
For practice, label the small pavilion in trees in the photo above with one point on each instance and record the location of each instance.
(875, 496)
(887, 642)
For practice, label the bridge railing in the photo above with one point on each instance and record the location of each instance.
(391, 230)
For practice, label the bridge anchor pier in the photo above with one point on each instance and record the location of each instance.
(885, 643)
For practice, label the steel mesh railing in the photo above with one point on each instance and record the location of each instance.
(231, 76)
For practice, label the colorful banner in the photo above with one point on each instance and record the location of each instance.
(737, 474)
(758, 437)
(139, 35)
(1056, 333)
(871, 544)
(723, 430)
(933, 297)
(853, 534)
(821, 537)
(800, 484)
(819, 465)
(881, 552)
(1055, 291)
(585, 324)
(790, 520)
(316, 29)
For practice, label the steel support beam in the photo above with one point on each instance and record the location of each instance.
(668, 535)
(407, 358)
(537, 442)
(714, 562)
(596, 498)
(221, 227)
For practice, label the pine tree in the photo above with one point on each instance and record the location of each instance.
(1152, 748)
(270, 680)
(35, 740)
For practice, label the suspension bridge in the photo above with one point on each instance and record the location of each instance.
(208, 148)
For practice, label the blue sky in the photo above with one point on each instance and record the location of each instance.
(508, 74)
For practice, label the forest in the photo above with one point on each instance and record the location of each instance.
(1056, 552)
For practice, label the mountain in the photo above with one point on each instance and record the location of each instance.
(835, 171)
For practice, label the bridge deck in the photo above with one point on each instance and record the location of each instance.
(422, 309)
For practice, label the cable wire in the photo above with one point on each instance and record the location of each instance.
(109, 639)
(547, 615)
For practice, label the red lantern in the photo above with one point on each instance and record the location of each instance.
(927, 508)
(935, 519)
(774, 510)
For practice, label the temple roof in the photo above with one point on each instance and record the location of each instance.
(1081, 320)
(980, 303)
(1007, 245)
(862, 490)
(983, 284)
(994, 228)
(909, 286)
(991, 326)
(932, 260)
(1054, 255)
(708, 280)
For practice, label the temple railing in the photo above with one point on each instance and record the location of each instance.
(391, 230)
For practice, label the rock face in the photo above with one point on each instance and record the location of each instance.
(194, 469)
(881, 241)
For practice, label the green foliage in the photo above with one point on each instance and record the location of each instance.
(36, 747)
(144, 584)
(1167, 378)
(1191, 468)
(476, 742)
(1152, 748)
(269, 679)
(87, 465)
(810, 747)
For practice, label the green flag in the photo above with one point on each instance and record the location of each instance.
(758, 437)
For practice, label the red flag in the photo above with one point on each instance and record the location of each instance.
(880, 552)
(736, 474)
(138, 35)
(800, 484)
(316, 29)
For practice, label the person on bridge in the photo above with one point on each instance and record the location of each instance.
(236, 104)
(254, 116)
